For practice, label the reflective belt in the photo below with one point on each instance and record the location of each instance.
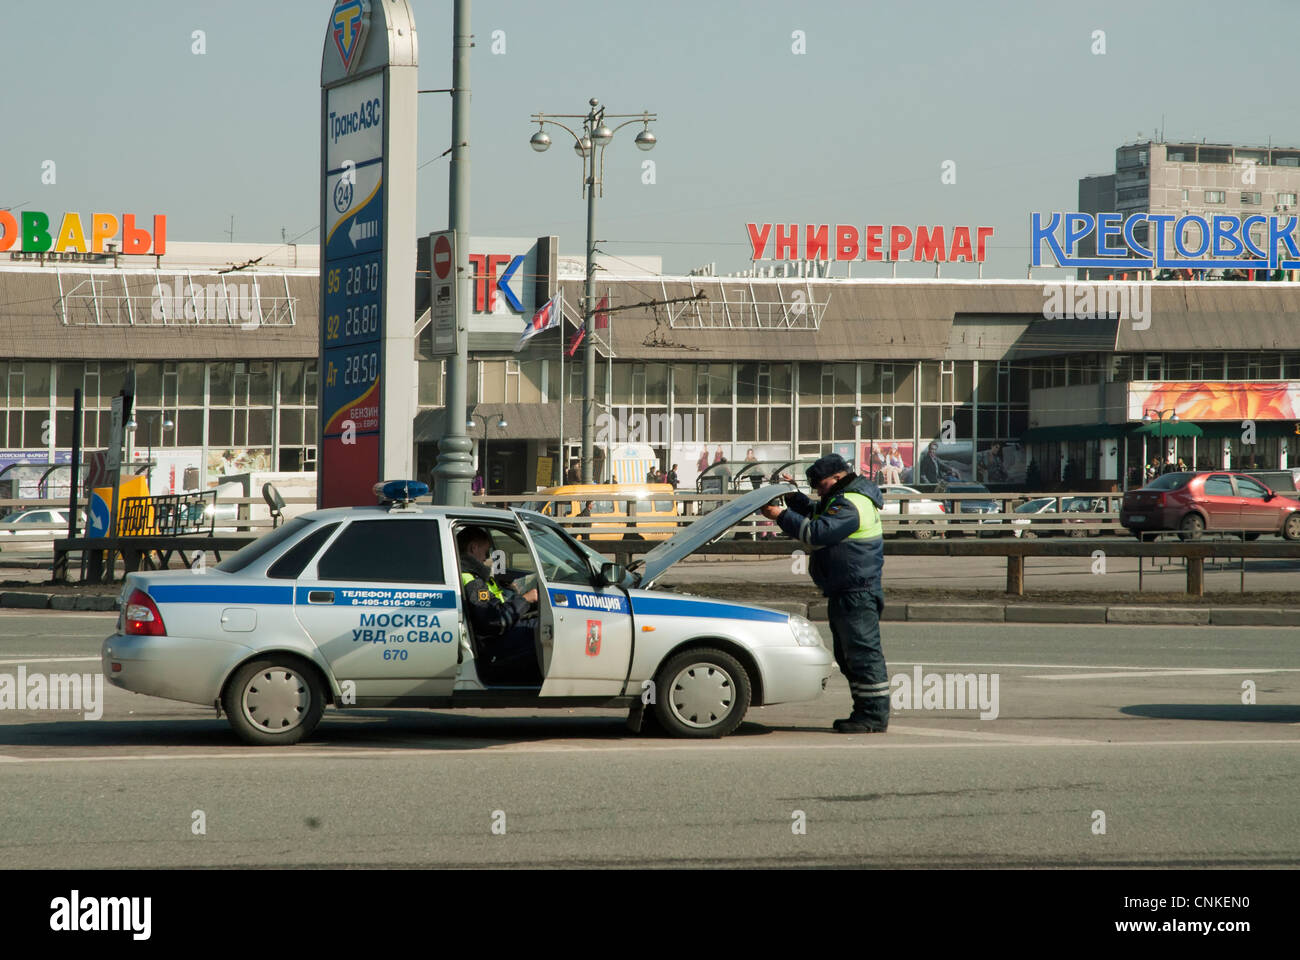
(465, 578)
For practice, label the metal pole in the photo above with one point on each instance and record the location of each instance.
(60, 570)
(454, 469)
(486, 474)
(588, 322)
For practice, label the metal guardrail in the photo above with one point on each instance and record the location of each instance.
(169, 515)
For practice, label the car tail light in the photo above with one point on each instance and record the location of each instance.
(1160, 499)
(942, 508)
(142, 617)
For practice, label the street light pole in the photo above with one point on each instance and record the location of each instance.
(590, 146)
(470, 423)
(1160, 429)
(454, 471)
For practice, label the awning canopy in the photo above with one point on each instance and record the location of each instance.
(1180, 428)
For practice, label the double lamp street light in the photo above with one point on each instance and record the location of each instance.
(590, 146)
(471, 421)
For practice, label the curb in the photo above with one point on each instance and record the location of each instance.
(55, 601)
(1195, 616)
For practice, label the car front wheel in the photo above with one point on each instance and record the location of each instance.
(701, 693)
(1192, 527)
(1291, 529)
(274, 701)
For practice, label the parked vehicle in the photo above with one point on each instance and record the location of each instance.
(973, 505)
(917, 505)
(653, 511)
(361, 607)
(1193, 503)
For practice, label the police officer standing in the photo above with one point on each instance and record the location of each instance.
(844, 532)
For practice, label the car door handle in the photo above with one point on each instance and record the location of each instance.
(320, 596)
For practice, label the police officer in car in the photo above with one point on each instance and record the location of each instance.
(844, 532)
(506, 636)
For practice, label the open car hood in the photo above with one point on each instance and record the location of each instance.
(703, 531)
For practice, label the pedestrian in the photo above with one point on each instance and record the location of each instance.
(844, 533)
(672, 478)
(476, 486)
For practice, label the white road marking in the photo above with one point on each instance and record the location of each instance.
(1068, 666)
(13, 663)
(281, 753)
(1172, 672)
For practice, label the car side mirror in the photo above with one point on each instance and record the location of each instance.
(611, 574)
(1269, 496)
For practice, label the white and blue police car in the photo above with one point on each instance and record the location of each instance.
(361, 607)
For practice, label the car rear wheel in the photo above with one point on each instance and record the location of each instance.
(924, 530)
(1291, 529)
(1192, 527)
(702, 693)
(274, 701)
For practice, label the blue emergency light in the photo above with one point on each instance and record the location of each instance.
(400, 491)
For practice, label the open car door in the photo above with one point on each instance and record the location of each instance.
(586, 628)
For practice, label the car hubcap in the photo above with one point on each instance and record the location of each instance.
(702, 694)
(1293, 526)
(276, 700)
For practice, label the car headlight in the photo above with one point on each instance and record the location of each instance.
(805, 634)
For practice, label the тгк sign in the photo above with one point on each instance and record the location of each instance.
(31, 230)
(873, 242)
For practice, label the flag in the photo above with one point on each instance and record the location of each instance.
(576, 339)
(602, 318)
(547, 318)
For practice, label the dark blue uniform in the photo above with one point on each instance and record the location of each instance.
(844, 533)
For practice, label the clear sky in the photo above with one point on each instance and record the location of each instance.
(854, 130)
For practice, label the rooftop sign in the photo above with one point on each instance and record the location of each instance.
(1198, 243)
(30, 232)
(875, 242)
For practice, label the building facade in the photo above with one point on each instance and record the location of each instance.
(692, 370)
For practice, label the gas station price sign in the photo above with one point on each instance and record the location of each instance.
(353, 300)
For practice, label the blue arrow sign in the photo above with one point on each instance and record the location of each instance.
(503, 284)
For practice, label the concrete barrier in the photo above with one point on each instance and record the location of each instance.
(964, 612)
(34, 601)
(1060, 613)
(1158, 615)
(1254, 617)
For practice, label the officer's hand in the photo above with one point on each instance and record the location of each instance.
(770, 510)
(786, 478)
(531, 595)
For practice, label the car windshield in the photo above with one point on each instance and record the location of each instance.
(1034, 506)
(1170, 481)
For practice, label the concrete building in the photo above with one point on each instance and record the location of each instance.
(1202, 179)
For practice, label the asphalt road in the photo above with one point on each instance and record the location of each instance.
(1142, 726)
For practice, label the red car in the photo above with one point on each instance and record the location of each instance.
(1213, 500)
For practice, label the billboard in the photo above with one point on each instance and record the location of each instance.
(887, 461)
(1217, 399)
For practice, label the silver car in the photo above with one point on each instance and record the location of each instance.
(362, 607)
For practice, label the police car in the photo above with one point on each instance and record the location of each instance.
(359, 607)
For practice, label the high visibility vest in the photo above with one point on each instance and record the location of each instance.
(869, 526)
(465, 578)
